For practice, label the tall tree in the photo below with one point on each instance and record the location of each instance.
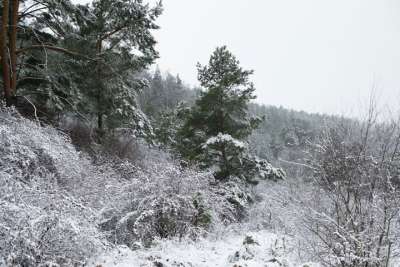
(8, 47)
(21, 33)
(118, 34)
(217, 126)
(4, 50)
(80, 57)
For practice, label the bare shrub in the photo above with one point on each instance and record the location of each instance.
(356, 166)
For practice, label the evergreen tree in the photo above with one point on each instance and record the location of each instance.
(217, 126)
(154, 93)
(167, 125)
(117, 33)
(29, 42)
(84, 58)
(163, 95)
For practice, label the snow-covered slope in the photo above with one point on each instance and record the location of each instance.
(58, 207)
(251, 249)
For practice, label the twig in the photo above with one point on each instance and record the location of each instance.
(34, 108)
(297, 163)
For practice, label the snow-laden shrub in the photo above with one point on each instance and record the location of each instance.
(234, 201)
(42, 219)
(230, 157)
(60, 206)
(165, 201)
(158, 217)
(356, 168)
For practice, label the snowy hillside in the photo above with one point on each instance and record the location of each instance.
(106, 160)
(61, 207)
(254, 249)
(58, 206)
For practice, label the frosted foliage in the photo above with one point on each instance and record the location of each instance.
(59, 207)
(226, 154)
(172, 202)
(42, 221)
(225, 138)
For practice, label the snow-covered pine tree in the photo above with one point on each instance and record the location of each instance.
(30, 41)
(117, 34)
(80, 58)
(216, 128)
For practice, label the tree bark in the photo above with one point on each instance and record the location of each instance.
(99, 45)
(100, 121)
(4, 53)
(13, 45)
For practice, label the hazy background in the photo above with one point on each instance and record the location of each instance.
(313, 55)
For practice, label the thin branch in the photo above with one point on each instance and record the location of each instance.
(53, 48)
(24, 14)
(299, 164)
(34, 109)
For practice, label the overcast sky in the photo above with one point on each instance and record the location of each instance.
(313, 55)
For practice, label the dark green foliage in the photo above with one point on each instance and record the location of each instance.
(166, 102)
(249, 240)
(43, 76)
(223, 108)
(102, 48)
(216, 127)
(164, 94)
(220, 109)
(118, 34)
(167, 125)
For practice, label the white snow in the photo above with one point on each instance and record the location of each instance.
(229, 250)
(224, 138)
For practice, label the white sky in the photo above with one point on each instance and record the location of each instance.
(313, 55)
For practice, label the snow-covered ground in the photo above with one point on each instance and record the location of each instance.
(58, 208)
(253, 249)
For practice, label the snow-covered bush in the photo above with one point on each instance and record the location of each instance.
(165, 200)
(61, 206)
(169, 201)
(348, 213)
(156, 218)
(230, 157)
(224, 154)
(234, 201)
(357, 169)
(41, 220)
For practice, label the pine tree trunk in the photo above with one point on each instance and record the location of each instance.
(4, 53)
(98, 73)
(13, 46)
(100, 122)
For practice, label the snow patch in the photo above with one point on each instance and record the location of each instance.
(224, 138)
(266, 249)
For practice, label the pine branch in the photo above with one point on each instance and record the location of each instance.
(53, 48)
